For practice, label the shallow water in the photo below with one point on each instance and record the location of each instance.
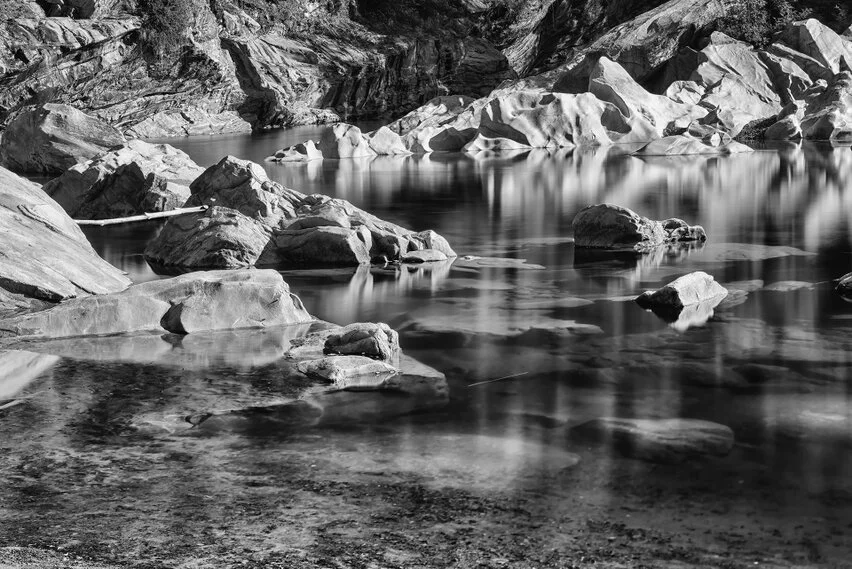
(772, 361)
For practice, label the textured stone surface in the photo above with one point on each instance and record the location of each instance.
(44, 255)
(302, 152)
(350, 371)
(687, 145)
(829, 116)
(344, 141)
(819, 42)
(608, 226)
(377, 341)
(135, 178)
(51, 138)
(253, 220)
(212, 300)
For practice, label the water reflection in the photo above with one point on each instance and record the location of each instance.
(552, 329)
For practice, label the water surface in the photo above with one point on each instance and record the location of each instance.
(772, 362)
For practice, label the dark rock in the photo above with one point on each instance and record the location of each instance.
(608, 226)
(52, 138)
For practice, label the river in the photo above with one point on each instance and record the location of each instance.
(492, 476)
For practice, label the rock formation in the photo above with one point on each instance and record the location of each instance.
(253, 220)
(132, 179)
(44, 255)
(607, 226)
(687, 290)
(212, 300)
(51, 138)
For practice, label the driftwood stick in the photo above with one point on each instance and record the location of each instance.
(141, 217)
(514, 375)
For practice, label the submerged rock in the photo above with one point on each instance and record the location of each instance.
(52, 138)
(661, 440)
(844, 287)
(378, 341)
(608, 226)
(132, 179)
(687, 290)
(424, 256)
(212, 300)
(44, 255)
(253, 220)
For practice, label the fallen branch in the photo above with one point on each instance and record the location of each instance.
(141, 217)
(499, 379)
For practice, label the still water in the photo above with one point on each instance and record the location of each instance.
(555, 326)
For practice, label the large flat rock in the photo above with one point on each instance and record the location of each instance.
(213, 300)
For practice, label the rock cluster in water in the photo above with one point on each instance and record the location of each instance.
(608, 226)
(252, 220)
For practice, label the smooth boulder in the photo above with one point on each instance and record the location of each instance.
(685, 291)
(302, 152)
(608, 226)
(193, 302)
(345, 141)
(829, 115)
(52, 138)
(44, 254)
(661, 440)
(686, 145)
(132, 179)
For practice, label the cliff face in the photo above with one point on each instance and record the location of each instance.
(234, 72)
(244, 64)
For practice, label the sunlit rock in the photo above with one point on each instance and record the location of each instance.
(820, 42)
(253, 220)
(189, 122)
(685, 291)
(829, 116)
(376, 341)
(385, 142)
(434, 113)
(43, 253)
(609, 82)
(685, 92)
(787, 128)
(51, 138)
(213, 300)
(424, 256)
(302, 152)
(608, 226)
(129, 180)
(680, 145)
(349, 371)
(661, 440)
(344, 141)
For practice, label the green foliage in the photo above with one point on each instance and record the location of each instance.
(756, 21)
(165, 24)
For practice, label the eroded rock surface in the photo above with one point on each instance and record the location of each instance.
(608, 226)
(132, 179)
(51, 138)
(253, 220)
